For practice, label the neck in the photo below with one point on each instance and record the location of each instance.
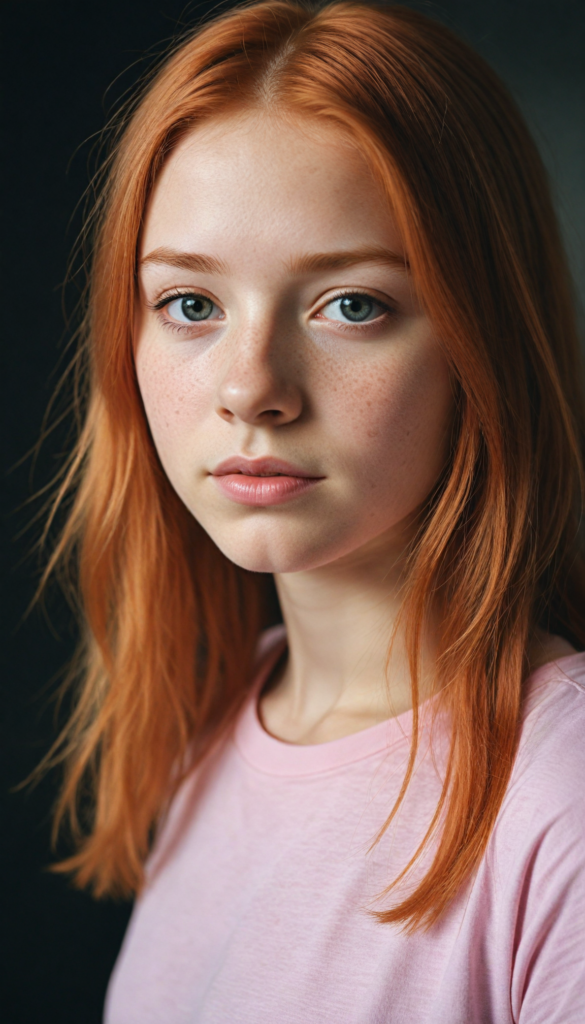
(340, 619)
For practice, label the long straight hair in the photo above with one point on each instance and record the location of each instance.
(170, 623)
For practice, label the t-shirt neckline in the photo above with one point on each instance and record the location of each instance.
(276, 757)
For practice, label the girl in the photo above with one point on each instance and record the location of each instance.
(330, 343)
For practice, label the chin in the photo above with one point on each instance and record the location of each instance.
(265, 557)
(270, 548)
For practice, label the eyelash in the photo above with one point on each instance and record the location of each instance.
(388, 311)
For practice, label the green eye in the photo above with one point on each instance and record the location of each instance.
(192, 309)
(354, 309)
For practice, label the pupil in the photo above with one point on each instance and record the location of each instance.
(356, 307)
(196, 307)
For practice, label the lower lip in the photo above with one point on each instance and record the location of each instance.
(263, 490)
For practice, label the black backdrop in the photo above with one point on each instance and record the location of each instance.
(59, 62)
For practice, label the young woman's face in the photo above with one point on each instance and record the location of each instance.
(296, 393)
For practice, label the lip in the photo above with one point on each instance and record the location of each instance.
(261, 467)
(262, 482)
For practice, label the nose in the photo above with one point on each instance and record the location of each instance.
(258, 385)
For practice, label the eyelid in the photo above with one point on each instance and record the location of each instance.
(181, 293)
(387, 304)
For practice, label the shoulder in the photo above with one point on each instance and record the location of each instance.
(554, 708)
(546, 787)
(536, 854)
(536, 859)
(212, 777)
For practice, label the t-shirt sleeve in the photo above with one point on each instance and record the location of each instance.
(548, 977)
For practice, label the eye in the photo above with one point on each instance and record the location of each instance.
(354, 309)
(187, 309)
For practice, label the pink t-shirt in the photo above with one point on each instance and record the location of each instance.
(256, 906)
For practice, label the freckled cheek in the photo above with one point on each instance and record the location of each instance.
(395, 418)
(176, 397)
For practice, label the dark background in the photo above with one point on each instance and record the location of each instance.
(59, 62)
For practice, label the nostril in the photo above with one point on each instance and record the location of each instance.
(272, 414)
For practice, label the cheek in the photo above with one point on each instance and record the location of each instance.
(175, 396)
(394, 418)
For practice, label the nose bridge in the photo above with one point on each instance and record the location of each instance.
(256, 383)
(253, 350)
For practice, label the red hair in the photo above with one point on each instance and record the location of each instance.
(171, 624)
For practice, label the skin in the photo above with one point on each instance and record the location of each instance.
(277, 371)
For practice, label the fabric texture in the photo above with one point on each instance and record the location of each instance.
(257, 908)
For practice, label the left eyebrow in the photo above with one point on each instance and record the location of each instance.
(314, 262)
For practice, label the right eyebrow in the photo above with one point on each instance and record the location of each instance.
(196, 262)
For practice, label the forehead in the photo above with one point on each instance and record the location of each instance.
(268, 182)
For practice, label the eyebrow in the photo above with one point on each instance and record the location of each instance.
(194, 261)
(312, 262)
(307, 264)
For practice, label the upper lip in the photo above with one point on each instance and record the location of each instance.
(261, 467)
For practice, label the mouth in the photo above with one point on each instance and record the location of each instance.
(262, 482)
